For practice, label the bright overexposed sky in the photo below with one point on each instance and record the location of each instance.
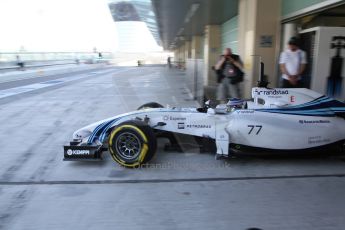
(57, 25)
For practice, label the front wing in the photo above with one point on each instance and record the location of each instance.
(76, 152)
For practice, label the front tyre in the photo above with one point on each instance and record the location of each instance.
(132, 143)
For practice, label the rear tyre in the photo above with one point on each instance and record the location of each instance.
(132, 143)
(150, 105)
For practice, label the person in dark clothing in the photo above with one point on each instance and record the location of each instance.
(20, 63)
(169, 62)
(229, 68)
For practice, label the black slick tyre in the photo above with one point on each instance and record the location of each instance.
(132, 143)
(150, 105)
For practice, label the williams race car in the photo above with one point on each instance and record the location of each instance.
(275, 120)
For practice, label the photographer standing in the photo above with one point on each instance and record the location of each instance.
(229, 74)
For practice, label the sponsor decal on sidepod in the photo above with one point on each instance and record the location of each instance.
(171, 118)
(314, 121)
(272, 92)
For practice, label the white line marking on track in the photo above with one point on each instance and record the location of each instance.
(32, 87)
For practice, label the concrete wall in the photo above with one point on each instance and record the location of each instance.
(197, 49)
(212, 50)
(188, 50)
(268, 24)
(246, 33)
(254, 23)
(181, 57)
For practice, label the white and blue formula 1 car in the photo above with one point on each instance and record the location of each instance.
(274, 121)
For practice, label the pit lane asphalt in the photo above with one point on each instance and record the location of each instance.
(20, 78)
(187, 190)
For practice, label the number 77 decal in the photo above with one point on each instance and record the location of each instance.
(252, 127)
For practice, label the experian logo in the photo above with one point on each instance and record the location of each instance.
(71, 152)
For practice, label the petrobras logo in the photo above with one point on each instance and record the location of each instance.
(271, 92)
(71, 152)
(199, 126)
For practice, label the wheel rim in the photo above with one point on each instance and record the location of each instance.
(128, 146)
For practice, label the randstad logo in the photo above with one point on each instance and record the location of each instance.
(271, 92)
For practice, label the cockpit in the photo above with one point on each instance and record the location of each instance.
(232, 105)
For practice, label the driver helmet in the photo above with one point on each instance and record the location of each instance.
(235, 103)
